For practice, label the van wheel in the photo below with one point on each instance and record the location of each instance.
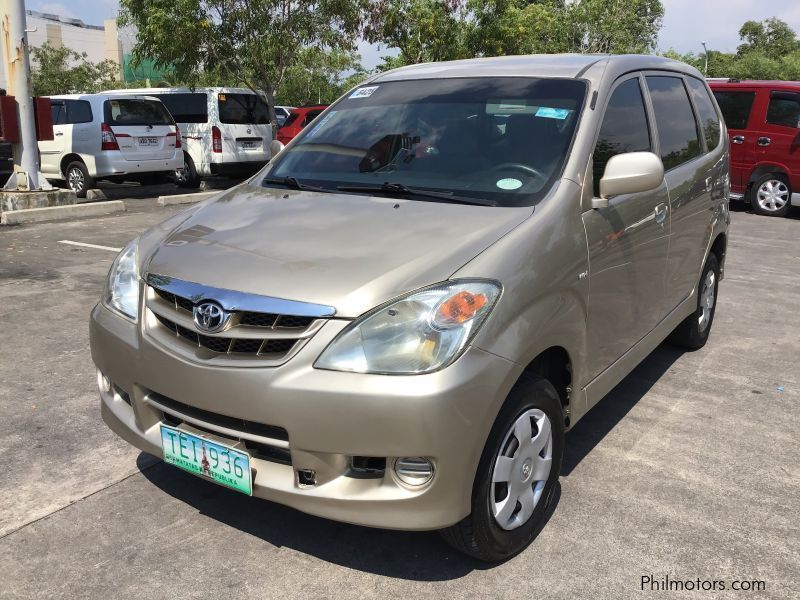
(693, 332)
(771, 196)
(78, 179)
(187, 178)
(517, 475)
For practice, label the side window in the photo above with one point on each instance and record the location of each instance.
(312, 114)
(624, 128)
(784, 109)
(709, 120)
(677, 128)
(79, 111)
(735, 107)
(58, 111)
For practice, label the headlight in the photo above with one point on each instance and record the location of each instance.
(122, 287)
(420, 333)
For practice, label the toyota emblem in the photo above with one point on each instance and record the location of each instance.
(210, 317)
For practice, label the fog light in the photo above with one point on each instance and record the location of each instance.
(103, 383)
(413, 470)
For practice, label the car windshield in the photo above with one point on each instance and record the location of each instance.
(501, 139)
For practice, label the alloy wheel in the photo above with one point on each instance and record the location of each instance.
(182, 175)
(707, 299)
(75, 180)
(772, 195)
(521, 469)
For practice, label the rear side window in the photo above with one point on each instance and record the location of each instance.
(186, 108)
(135, 111)
(784, 109)
(735, 107)
(624, 128)
(58, 111)
(292, 118)
(709, 120)
(79, 111)
(243, 109)
(310, 116)
(677, 128)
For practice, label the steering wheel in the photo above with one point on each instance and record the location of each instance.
(518, 167)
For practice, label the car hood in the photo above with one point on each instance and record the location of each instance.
(348, 251)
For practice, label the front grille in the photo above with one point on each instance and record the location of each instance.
(269, 336)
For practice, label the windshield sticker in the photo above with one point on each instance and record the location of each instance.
(364, 92)
(509, 184)
(321, 124)
(553, 113)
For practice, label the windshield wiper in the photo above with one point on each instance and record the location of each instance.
(295, 184)
(402, 190)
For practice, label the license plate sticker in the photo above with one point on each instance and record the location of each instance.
(149, 141)
(201, 456)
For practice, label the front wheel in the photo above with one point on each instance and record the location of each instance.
(693, 331)
(517, 475)
(771, 196)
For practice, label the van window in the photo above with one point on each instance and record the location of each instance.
(58, 112)
(784, 109)
(735, 107)
(135, 111)
(677, 128)
(624, 128)
(186, 108)
(709, 120)
(243, 109)
(79, 111)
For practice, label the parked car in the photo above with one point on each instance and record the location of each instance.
(226, 131)
(297, 121)
(763, 119)
(282, 114)
(394, 324)
(109, 136)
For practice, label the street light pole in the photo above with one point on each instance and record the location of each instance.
(705, 52)
(18, 77)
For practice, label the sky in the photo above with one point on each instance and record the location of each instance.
(686, 22)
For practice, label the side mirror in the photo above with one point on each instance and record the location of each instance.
(275, 147)
(629, 173)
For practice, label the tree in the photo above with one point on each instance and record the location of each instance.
(614, 26)
(771, 37)
(60, 70)
(255, 42)
(320, 76)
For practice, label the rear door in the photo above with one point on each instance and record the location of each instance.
(778, 140)
(143, 127)
(244, 124)
(190, 111)
(736, 105)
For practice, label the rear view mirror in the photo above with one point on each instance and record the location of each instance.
(629, 173)
(275, 147)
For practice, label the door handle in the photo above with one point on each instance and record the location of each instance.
(738, 139)
(763, 141)
(660, 213)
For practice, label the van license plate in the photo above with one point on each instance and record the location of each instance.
(149, 141)
(248, 145)
(208, 459)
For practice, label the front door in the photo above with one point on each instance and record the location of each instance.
(628, 240)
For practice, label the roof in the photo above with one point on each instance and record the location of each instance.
(182, 90)
(745, 83)
(591, 66)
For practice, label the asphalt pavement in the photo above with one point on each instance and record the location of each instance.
(689, 469)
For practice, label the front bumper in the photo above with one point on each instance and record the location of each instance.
(329, 416)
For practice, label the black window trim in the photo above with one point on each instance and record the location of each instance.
(677, 75)
(772, 94)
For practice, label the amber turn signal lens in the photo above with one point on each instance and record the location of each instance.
(460, 308)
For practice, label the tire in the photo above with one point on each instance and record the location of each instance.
(188, 178)
(78, 178)
(693, 331)
(771, 195)
(484, 536)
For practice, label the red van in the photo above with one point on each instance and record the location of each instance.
(763, 119)
(299, 118)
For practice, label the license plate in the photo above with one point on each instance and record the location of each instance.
(208, 459)
(248, 145)
(149, 141)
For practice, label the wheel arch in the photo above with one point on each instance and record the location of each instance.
(766, 169)
(555, 365)
(70, 158)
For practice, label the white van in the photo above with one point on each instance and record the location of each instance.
(117, 137)
(226, 131)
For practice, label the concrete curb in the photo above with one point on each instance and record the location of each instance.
(185, 198)
(55, 213)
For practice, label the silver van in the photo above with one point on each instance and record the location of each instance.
(396, 321)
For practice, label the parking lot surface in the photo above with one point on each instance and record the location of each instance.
(689, 469)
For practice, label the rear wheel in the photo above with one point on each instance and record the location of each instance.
(187, 177)
(771, 196)
(78, 178)
(517, 475)
(693, 332)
